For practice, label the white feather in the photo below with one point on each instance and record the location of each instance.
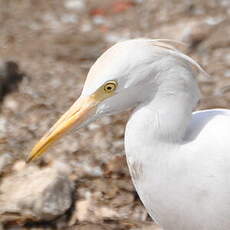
(179, 160)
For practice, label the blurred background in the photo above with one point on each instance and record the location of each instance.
(46, 50)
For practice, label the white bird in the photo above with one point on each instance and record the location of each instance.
(179, 159)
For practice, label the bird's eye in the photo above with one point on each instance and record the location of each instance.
(110, 86)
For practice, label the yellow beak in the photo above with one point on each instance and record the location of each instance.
(79, 112)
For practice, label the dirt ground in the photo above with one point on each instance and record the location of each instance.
(54, 43)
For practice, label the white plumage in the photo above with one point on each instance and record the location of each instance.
(179, 160)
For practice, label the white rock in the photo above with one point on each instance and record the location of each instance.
(19, 165)
(99, 20)
(5, 160)
(36, 194)
(74, 4)
(105, 213)
(3, 124)
(69, 18)
(83, 210)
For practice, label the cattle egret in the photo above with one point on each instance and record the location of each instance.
(179, 159)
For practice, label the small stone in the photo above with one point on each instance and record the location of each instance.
(74, 5)
(3, 124)
(5, 160)
(105, 213)
(19, 165)
(33, 194)
(83, 207)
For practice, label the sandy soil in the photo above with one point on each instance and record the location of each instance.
(54, 44)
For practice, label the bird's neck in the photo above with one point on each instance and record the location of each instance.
(155, 132)
(163, 120)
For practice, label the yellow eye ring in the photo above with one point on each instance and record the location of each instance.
(110, 86)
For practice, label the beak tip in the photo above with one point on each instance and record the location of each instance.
(29, 159)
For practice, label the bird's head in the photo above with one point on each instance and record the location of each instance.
(119, 79)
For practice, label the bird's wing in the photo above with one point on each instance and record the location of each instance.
(202, 171)
(209, 124)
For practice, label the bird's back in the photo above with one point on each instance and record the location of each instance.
(208, 149)
(205, 123)
(205, 162)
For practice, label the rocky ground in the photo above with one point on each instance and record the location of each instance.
(46, 50)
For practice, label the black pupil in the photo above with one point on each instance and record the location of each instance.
(109, 87)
